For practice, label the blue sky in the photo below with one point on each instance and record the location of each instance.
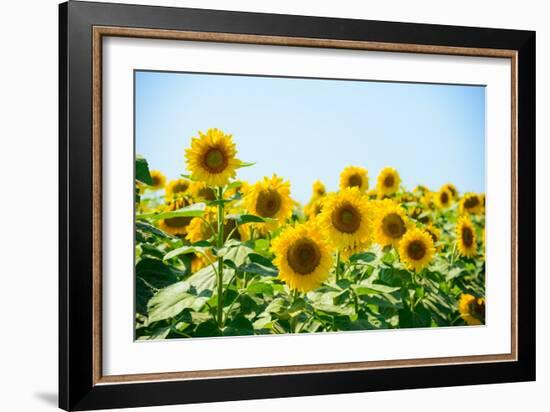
(307, 129)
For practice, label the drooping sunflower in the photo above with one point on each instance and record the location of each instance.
(270, 198)
(354, 176)
(465, 237)
(472, 309)
(471, 203)
(303, 257)
(443, 198)
(416, 249)
(201, 192)
(158, 178)
(346, 218)
(177, 188)
(176, 226)
(451, 188)
(388, 182)
(314, 208)
(200, 228)
(390, 223)
(211, 157)
(319, 189)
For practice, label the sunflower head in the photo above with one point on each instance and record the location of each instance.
(211, 157)
(451, 188)
(416, 249)
(270, 198)
(177, 188)
(314, 208)
(354, 176)
(319, 189)
(388, 182)
(303, 257)
(390, 223)
(466, 237)
(346, 218)
(199, 227)
(434, 232)
(443, 198)
(201, 192)
(158, 178)
(471, 203)
(176, 226)
(472, 309)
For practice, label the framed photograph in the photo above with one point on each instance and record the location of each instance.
(256, 205)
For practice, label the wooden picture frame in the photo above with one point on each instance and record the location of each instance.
(83, 26)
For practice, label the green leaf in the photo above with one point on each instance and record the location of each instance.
(238, 327)
(247, 218)
(260, 288)
(245, 164)
(233, 185)
(171, 301)
(146, 227)
(185, 250)
(158, 274)
(194, 210)
(142, 171)
(365, 257)
(208, 329)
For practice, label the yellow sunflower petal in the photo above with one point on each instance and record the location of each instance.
(416, 249)
(354, 176)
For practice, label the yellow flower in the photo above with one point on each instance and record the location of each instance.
(199, 229)
(303, 257)
(471, 203)
(388, 182)
(159, 180)
(451, 188)
(201, 192)
(354, 176)
(211, 158)
(175, 225)
(347, 218)
(472, 309)
(319, 189)
(434, 232)
(443, 198)
(390, 223)
(270, 198)
(465, 237)
(314, 208)
(176, 188)
(416, 249)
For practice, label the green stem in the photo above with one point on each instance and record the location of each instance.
(337, 270)
(220, 258)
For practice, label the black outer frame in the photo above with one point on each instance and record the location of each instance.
(76, 389)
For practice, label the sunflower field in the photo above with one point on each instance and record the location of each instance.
(218, 256)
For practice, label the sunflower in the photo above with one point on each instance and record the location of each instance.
(354, 176)
(347, 218)
(159, 180)
(434, 232)
(465, 237)
(201, 192)
(199, 227)
(175, 225)
(319, 189)
(390, 223)
(270, 198)
(472, 309)
(177, 188)
(416, 249)
(451, 188)
(211, 157)
(314, 208)
(471, 203)
(443, 198)
(388, 182)
(303, 257)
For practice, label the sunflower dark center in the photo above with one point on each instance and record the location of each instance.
(416, 250)
(268, 203)
(206, 193)
(355, 181)
(432, 235)
(471, 202)
(180, 187)
(452, 190)
(393, 226)
(303, 256)
(389, 181)
(177, 221)
(346, 218)
(477, 309)
(215, 160)
(321, 192)
(156, 180)
(444, 197)
(467, 236)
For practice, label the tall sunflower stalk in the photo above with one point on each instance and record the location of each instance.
(219, 245)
